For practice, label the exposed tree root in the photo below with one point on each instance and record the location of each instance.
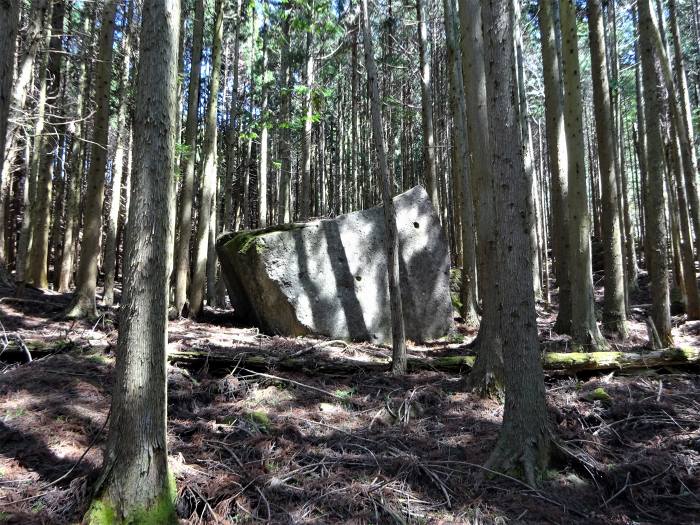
(81, 307)
(521, 453)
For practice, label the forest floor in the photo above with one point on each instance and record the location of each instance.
(294, 447)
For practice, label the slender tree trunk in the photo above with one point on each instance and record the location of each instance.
(208, 191)
(584, 329)
(135, 485)
(398, 363)
(686, 113)
(557, 158)
(306, 139)
(354, 196)
(487, 375)
(28, 272)
(9, 22)
(686, 244)
(25, 67)
(640, 139)
(523, 443)
(462, 176)
(247, 212)
(284, 213)
(75, 162)
(528, 154)
(184, 222)
(84, 303)
(683, 127)
(37, 267)
(654, 194)
(110, 252)
(614, 315)
(429, 168)
(264, 138)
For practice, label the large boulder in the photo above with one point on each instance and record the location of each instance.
(329, 277)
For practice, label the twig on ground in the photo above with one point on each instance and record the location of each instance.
(297, 383)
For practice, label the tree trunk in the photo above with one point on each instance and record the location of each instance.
(683, 104)
(135, 485)
(692, 306)
(429, 168)
(462, 176)
(37, 267)
(9, 22)
(487, 378)
(584, 329)
(654, 194)
(196, 292)
(528, 154)
(398, 338)
(26, 271)
(306, 198)
(523, 443)
(84, 303)
(75, 161)
(110, 252)
(557, 159)
(264, 138)
(284, 213)
(614, 315)
(25, 68)
(184, 222)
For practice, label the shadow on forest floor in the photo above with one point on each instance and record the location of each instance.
(355, 448)
(373, 449)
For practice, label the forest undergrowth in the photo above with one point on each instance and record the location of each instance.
(284, 446)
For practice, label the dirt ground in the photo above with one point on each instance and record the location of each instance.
(249, 446)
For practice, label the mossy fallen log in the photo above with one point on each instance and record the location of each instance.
(252, 358)
(581, 361)
(552, 361)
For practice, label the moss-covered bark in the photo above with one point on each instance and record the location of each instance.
(161, 511)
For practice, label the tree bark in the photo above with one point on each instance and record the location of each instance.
(523, 442)
(264, 137)
(25, 270)
(684, 111)
(135, 485)
(614, 314)
(75, 159)
(9, 22)
(208, 190)
(398, 338)
(487, 378)
(584, 330)
(557, 159)
(306, 198)
(84, 302)
(284, 213)
(654, 194)
(38, 259)
(110, 251)
(184, 223)
(692, 306)
(429, 169)
(462, 175)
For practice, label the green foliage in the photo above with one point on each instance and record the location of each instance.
(14, 414)
(260, 419)
(599, 394)
(345, 394)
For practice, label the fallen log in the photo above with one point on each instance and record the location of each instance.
(217, 357)
(551, 361)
